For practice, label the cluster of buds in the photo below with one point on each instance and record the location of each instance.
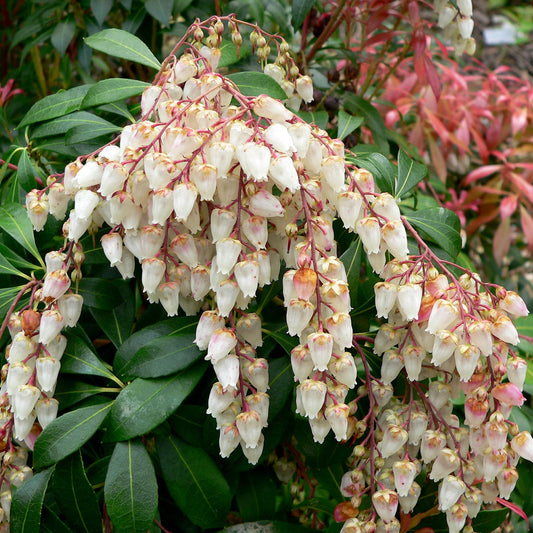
(212, 191)
(458, 24)
(454, 332)
(33, 357)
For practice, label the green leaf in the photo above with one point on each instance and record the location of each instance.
(51, 523)
(68, 433)
(75, 496)
(347, 123)
(28, 503)
(146, 403)
(120, 43)
(351, 259)
(135, 342)
(489, 520)
(229, 54)
(80, 359)
(279, 334)
(7, 296)
(112, 90)
(79, 134)
(26, 172)
(16, 260)
(256, 496)
(161, 10)
(161, 357)
(131, 488)
(55, 105)
(281, 384)
(61, 125)
(380, 168)
(70, 392)
(101, 9)
(256, 83)
(300, 8)
(14, 221)
(118, 322)
(100, 293)
(7, 268)
(319, 118)
(63, 35)
(410, 174)
(440, 225)
(194, 482)
(360, 107)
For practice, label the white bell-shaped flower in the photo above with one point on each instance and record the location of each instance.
(228, 251)
(184, 198)
(255, 160)
(169, 297)
(320, 346)
(112, 247)
(278, 136)
(153, 270)
(450, 490)
(349, 207)
(209, 322)
(227, 296)
(227, 371)
(51, 324)
(313, 395)
(283, 173)
(70, 306)
(47, 371)
(265, 204)
(222, 224)
(24, 400)
(46, 411)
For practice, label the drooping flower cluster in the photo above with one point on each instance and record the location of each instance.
(457, 23)
(210, 192)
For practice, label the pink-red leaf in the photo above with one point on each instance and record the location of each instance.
(514, 508)
(502, 240)
(480, 173)
(527, 226)
(508, 206)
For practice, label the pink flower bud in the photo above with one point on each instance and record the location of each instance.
(313, 396)
(409, 300)
(466, 358)
(509, 394)
(450, 490)
(70, 306)
(476, 407)
(208, 323)
(229, 439)
(222, 342)
(247, 277)
(395, 238)
(24, 400)
(227, 296)
(51, 324)
(320, 346)
(299, 313)
(504, 329)
(283, 173)
(265, 106)
(227, 371)
(55, 284)
(370, 232)
(228, 251)
(337, 416)
(112, 247)
(349, 204)
(265, 204)
(184, 199)
(386, 504)
(46, 411)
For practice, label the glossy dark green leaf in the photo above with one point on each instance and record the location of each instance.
(229, 55)
(28, 502)
(161, 10)
(162, 356)
(279, 334)
(101, 9)
(256, 83)
(256, 495)
(489, 520)
(8, 269)
(351, 260)
(100, 293)
(112, 90)
(381, 169)
(117, 323)
(26, 172)
(194, 482)
(14, 221)
(51, 523)
(300, 8)
(80, 359)
(131, 488)
(439, 225)
(61, 125)
(146, 403)
(120, 43)
(55, 105)
(172, 326)
(75, 496)
(7, 296)
(319, 118)
(358, 106)
(410, 173)
(68, 433)
(347, 124)
(79, 134)
(281, 384)
(62, 35)
(16, 260)
(69, 392)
